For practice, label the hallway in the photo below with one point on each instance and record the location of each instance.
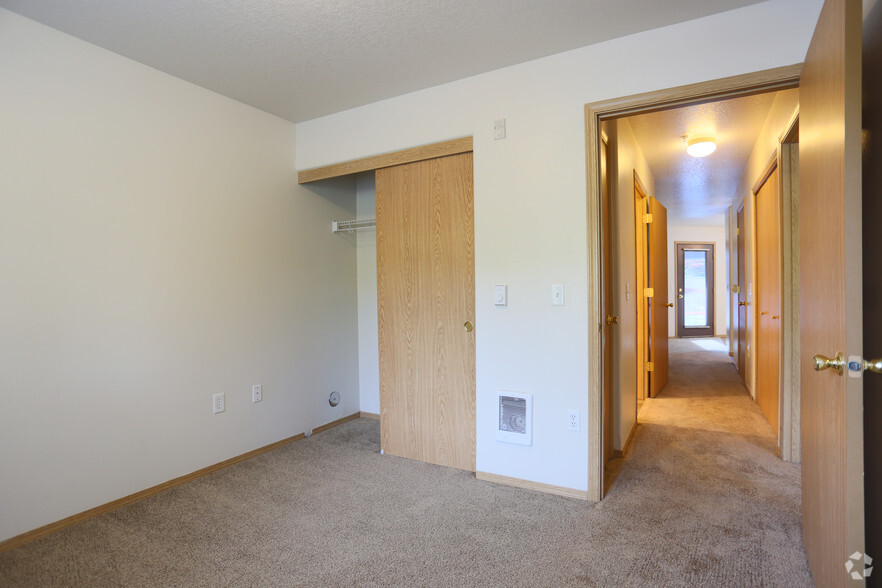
(703, 465)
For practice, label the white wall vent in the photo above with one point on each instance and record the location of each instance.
(515, 419)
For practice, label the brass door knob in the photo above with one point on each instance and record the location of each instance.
(742, 303)
(680, 296)
(821, 363)
(468, 326)
(612, 320)
(670, 305)
(873, 365)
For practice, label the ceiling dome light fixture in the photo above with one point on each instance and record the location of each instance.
(701, 147)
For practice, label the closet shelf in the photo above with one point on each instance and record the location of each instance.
(349, 226)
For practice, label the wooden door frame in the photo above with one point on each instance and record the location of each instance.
(641, 249)
(740, 271)
(610, 311)
(780, 78)
(711, 281)
(788, 178)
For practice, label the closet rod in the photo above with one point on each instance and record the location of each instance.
(349, 226)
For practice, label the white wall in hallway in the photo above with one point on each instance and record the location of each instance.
(626, 159)
(766, 147)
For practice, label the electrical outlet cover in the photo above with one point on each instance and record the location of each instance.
(217, 403)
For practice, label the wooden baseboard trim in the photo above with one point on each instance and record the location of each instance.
(624, 450)
(333, 424)
(29, 536)
(536, 486)
(369, 415)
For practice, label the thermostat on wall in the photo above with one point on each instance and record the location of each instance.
(515, 419)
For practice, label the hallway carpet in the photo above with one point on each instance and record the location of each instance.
(700, 500)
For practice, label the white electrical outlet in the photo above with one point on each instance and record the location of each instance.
(217, 403)
(557, 295)
(256, 393)
(573, 420)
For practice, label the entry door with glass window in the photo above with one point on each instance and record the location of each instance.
(695, 289)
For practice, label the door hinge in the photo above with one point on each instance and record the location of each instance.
(737, 231)
(647, 218)
(650, 366)
(648, 292)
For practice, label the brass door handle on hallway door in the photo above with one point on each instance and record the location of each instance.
(822, 362)
(670, 305)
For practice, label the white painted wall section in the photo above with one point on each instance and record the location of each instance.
(155, 249)
(530, 211)
(627, 158)
(368, 336)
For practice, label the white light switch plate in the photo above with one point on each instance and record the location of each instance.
(500, 295)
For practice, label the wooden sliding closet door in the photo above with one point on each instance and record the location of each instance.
(426, 306)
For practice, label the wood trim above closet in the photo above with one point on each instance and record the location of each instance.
(442, 149)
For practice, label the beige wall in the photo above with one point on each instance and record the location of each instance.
(155, 249)
(766, 147)
(628, 158)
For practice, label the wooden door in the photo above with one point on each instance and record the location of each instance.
(641, 210)
(658, 306)
(425, 292)
(611, 322)
(830, 291)
(768, 297)
(742, 296)
(695, 289)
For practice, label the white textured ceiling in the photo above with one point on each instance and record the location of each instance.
(691, 187)
(300, 59)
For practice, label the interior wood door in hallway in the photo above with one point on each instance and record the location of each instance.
(658, 305)
(742, 296)
(426, 306)
(768, 296)
(641, 247)
(830, 292)
(611, 321)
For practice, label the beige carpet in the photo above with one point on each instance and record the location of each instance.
(701, 500)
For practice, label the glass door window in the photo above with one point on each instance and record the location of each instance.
(695, 292)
